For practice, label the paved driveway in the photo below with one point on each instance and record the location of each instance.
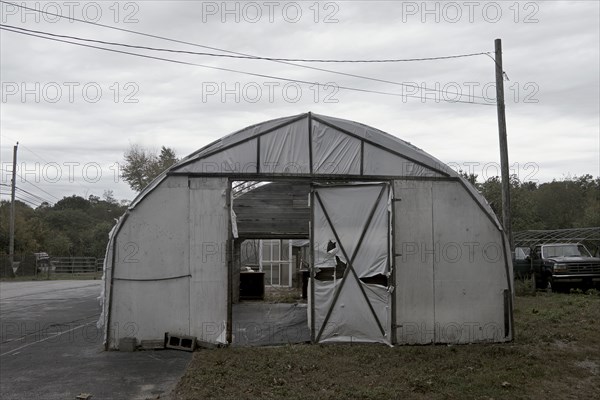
(50, 348)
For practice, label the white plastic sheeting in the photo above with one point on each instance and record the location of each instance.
(349, 209)
(285, 150)
(142, 267)
(352, 222)
(208, 226)
(236, 159)
(179, 227)
(382, 162)
(450, 266)
(334, 152)
(106, 274)
(335, 146)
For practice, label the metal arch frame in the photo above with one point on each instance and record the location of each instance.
(533, 237)
(350, 261)
(198, 156)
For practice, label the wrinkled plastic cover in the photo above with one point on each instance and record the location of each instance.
(333, 151)
(285, 150)
(349, 208)
(106, 277)
(351, 319)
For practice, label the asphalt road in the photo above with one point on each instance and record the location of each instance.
(50, 348)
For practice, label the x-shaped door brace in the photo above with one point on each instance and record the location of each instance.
(350, 262)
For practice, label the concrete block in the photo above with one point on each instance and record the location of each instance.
(127, 344)
(180, 342)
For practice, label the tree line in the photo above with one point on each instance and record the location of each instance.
(568, 203)
(76, 226)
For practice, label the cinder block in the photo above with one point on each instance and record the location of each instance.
(127, 344)
(180, 342)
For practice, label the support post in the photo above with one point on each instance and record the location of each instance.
(504, 166)
(11, 244)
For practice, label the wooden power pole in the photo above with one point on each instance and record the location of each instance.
(504, 168)
(11, 244)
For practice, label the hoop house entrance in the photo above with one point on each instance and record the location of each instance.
(351, 286)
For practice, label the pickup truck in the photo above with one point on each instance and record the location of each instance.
(558, 265)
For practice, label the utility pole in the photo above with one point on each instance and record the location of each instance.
(504, 168)
(11, 245)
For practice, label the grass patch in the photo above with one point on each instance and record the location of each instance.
(525, 287)
(556, 354)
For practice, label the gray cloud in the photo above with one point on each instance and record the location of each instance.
(550, 53)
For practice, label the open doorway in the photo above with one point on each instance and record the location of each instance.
(270, 262)
(274, 270)
(347, 227)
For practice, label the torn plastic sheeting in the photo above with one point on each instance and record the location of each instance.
(349, 208)
(322, 235)
(285, 150)
(334, 152)
(222, 338)
(105, 294)
(372, 256)
(234, 227)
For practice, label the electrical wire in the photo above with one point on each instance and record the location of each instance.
(34, 185)
(37, 155)
(229, 51)
(21, 199)
(325, 85)
(33, 195)
(251, 57)
(27, 197)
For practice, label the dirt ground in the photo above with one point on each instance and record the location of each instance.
(556, 354)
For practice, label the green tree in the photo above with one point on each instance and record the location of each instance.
(569, 203)
(74, 226)
(142, 165)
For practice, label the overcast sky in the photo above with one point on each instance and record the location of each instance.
(75, 110)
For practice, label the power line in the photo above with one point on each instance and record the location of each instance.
(38, 156)
(233, 52)
(5, 193)
(35, 196)
(27, 192)
(32, 184)
(326, 86)
(27, 201)
(250, 57)
(25, 147)
(34, 153)
(29, 197)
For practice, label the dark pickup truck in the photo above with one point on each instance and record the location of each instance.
(557, 265)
